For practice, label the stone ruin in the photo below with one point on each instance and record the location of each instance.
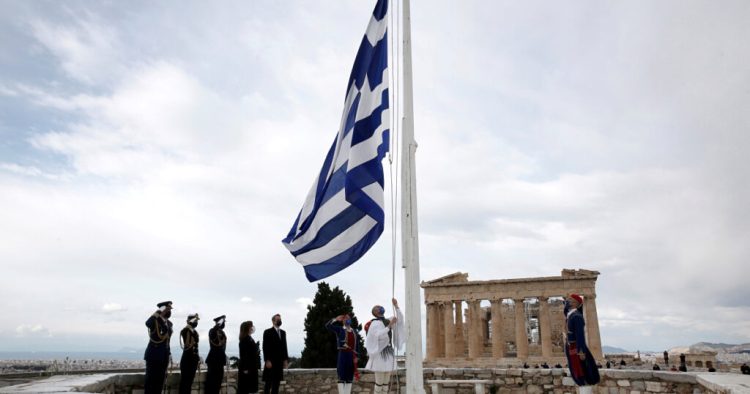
(505, 322)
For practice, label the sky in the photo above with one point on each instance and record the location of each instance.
(155, 151)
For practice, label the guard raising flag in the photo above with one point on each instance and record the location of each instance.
(343, 214)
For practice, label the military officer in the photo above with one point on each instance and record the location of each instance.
(217, 356)
(157, 354)
(190, 358)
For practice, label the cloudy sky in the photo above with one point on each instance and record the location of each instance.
(153, 151)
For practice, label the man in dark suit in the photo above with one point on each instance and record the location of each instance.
(157, 354)
(275, 355)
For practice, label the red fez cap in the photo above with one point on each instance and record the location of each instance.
(577, 298)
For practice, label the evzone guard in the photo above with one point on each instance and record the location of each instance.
(382, 336)
(346, 343)
(581, 362)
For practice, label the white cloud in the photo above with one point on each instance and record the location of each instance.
(88, 49)
(246, 300)
(112, 307)
(303, 301)
(32, 330)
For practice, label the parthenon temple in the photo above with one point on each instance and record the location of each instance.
(484, 323)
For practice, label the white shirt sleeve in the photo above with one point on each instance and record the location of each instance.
(399, 332)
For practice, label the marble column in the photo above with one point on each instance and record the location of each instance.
(449, 330)
(474, 327)
(460, 343)
(432, 331)
(440, 339)
(498, 342)
(522, 339)
(545, 328)
(592, 326)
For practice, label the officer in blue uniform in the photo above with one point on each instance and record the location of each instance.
(581, 362)
(157, 354)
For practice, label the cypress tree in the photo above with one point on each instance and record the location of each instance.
(320, 344)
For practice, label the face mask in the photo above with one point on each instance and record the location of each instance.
(278, 323)
(348, 322)
(193, 324)
(382, 310)
(252, 330)
(167, 314)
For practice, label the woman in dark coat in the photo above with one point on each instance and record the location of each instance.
(249, 364)
(581, 362)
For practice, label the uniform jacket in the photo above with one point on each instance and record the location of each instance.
(159, 334)
(341, 335)
(189, 338)
(217, 355)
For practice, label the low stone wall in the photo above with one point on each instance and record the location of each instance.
(504, 381)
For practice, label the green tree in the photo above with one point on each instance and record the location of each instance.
(320, 344)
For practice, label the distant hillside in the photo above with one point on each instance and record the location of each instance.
(722, 347)
(717, 347)
(613, 350)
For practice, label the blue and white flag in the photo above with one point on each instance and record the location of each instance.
(343, 214)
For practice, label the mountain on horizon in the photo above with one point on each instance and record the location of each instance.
(717, 347)
(613, 350)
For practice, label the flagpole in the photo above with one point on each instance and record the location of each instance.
(409, 228)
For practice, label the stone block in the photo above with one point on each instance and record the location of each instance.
(545, 372)
(613, 390)
(653, 387)
(532, 389)
(501, 372)
(677, 377)
(568, 381)
(623, 383)
(638, 385)
(515, 372)
(635, 392)
(557, 372)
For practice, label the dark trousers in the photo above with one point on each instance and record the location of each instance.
(156, 372)
(188, 365)
(214, 376)
(271, 386)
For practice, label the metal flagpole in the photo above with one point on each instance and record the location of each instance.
(409, 229)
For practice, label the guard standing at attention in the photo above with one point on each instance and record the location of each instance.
(157, 354)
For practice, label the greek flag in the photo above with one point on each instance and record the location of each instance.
(343, 215)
